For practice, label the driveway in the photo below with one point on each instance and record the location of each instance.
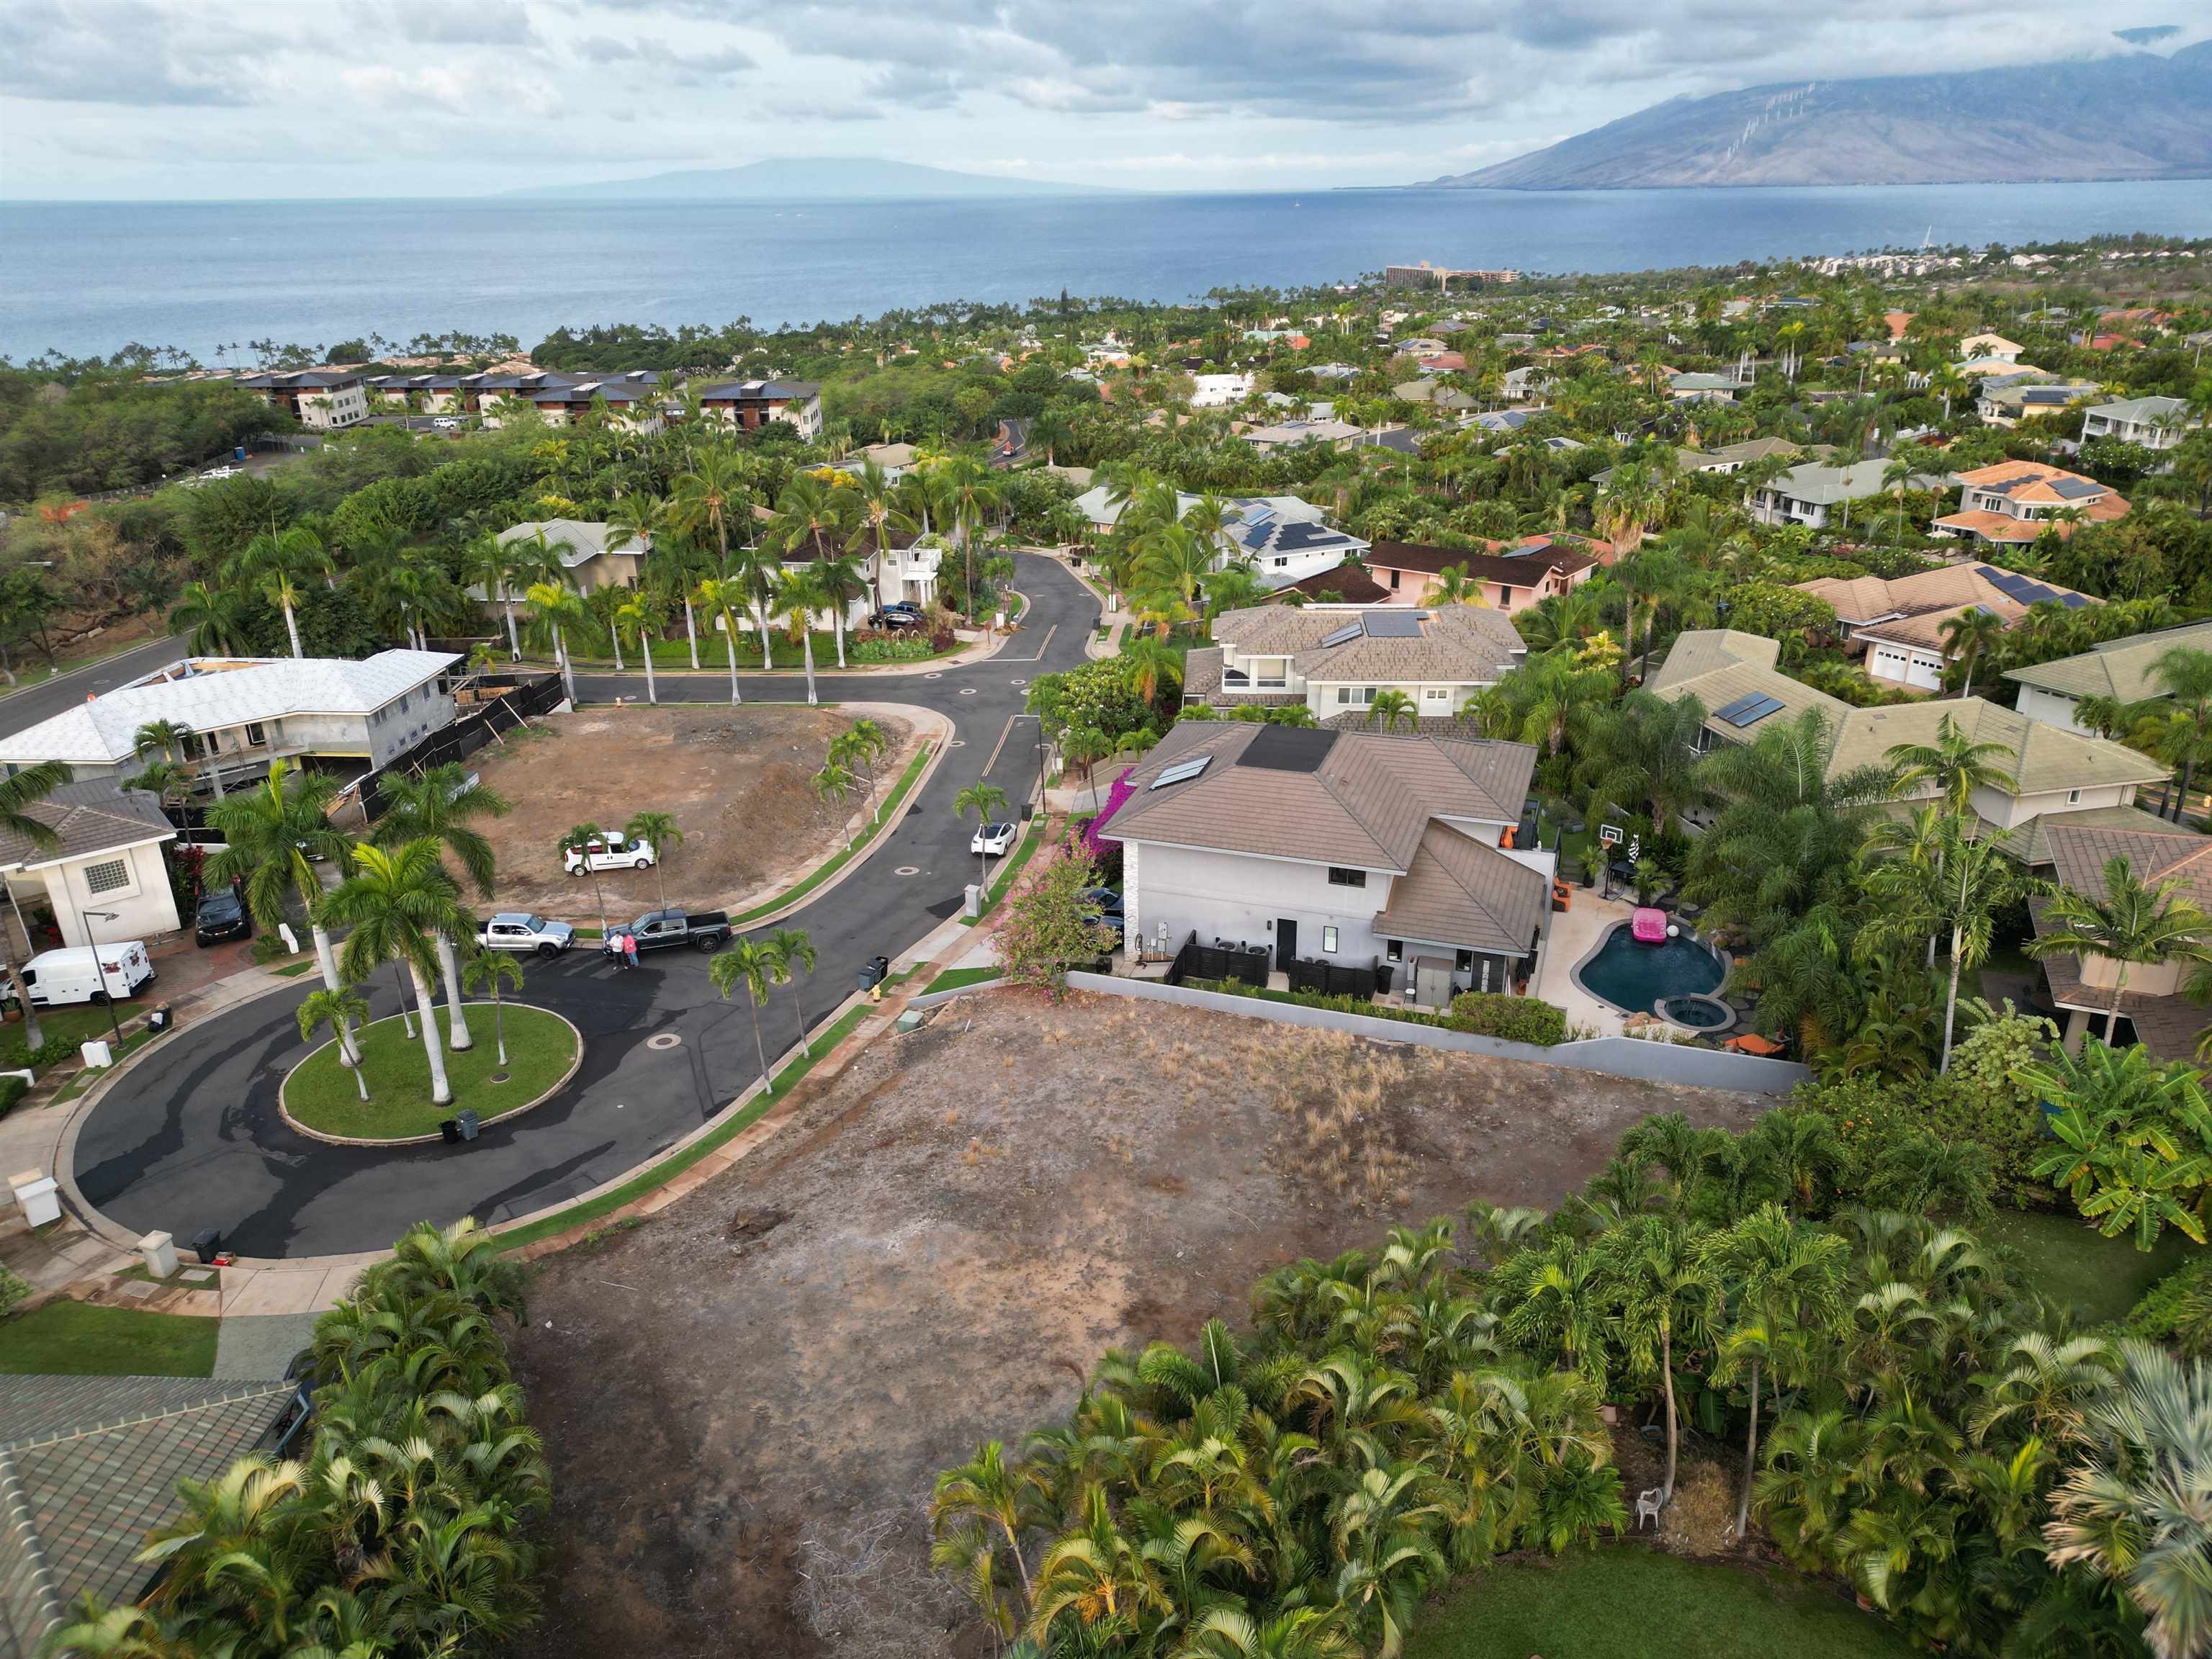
(194, 1140)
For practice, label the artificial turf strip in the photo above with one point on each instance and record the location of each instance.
(320, 1093)
(954, 979)
(1626, 1600)
(74, 1338)
(843, 856)
(675, 1164)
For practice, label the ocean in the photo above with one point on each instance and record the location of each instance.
(88, 278)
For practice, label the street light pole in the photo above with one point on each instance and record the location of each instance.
(106, 995)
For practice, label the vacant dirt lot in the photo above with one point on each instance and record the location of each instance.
(745, 1398)
(737, 780)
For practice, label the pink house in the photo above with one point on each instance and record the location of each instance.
(1512, 578)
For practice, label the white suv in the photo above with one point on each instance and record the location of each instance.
(612, 851)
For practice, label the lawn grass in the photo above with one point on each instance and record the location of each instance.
(320, 1093)
(954, 979)
(295, 970)
(885, 816)
(1613, 1602)
(2071, 1262)
(74, 1338)
(88, 1075)
(673, 1165)
(76, 1022)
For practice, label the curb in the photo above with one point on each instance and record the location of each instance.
(285, 1112)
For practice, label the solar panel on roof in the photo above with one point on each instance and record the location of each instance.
(1729, 711)
(1749, 711)
(1342, 635)
(1256, 537)
(2075, 488)
(1393, 624)
(1182, 771)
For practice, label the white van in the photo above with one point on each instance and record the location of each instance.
(56, 977)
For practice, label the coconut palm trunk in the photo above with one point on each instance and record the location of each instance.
(326, 959)
(1673, 1429)
(514, 636)
(441, 1092)
(561, 655)
(449, 969)
(691, 633)
(768, 650)
(806, 645)
(729, 646)
(1750, 1460)
(645, 649)
(292, 627)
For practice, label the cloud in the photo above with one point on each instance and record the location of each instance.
(122, 52)
(434, 22)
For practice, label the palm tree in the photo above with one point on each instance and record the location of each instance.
(215, 617)
(442, 805)
(1393, 710)
(862, 744)
(1953, 764)
(711, 495)
(985, 1490)
(661, 831)
(1154, 666)
(1897, 475)
(1083, 747)
(798, 596)
(758, 966)
(983, 799)
(642, 613)
(969, 494)
(724, 598)
(486, 563)
(1655, 1276)
(18, 795)
(557, 609)
(488, 970)
(277, 561)
(2124, 1510)
(396, 901)
(2128, 924)
(841, 579)
(1958, 891)
(832, 784)
(581, 836)
(271, 833)
(2186, 677)
(340, 1011)
(796, 952)
(1454, 586)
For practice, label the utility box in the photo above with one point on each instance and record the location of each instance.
(39, 1196)
(98, 1056)
(975, 907)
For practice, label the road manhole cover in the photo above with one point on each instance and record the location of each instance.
(1016, 681)
(958, 743)
(967, 690)
(933, 677)
(908, 870)
(665, 1040)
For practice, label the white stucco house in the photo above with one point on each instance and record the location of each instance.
(1286, 538)
(1358, 848)
(1337, 659)
(2154, 423)
(109, 855)
(242, 713)
(2126, 670)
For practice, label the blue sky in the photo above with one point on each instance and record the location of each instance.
(165, 100)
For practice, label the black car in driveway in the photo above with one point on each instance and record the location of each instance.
(221, 916)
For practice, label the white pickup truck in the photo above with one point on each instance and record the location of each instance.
(612, 851)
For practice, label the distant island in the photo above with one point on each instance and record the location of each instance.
(809, 179)
(2134, 115)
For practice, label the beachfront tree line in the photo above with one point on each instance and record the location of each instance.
(1904, 1415)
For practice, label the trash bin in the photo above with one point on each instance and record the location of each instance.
(160, 1019)
(206, 1243)
(239, 453)
(449, 1131)
(465, 1123)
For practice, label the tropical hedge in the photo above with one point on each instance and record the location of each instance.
(403, 1527)
(1907, 1417)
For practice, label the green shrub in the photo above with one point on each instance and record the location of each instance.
(12, 1292)
(2177, 1310)
(1514, 1019)
(12, 1091)
(912, 649)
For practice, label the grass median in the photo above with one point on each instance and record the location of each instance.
(321, 1095)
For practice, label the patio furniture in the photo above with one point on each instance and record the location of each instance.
(1750, 1043)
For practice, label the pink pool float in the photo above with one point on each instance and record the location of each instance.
(1647, 925)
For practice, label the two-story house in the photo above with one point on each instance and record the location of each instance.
(2013, 502)
(242, 713)
(1337, 659)
(2009, 400)
(1820, 495)
(1362, 848)
(1285, 539)
(1510, 577)
(321, 400)
(2154, 423)
(1897, 625)
(2085, 986)
(753, 404)
(2126, 670)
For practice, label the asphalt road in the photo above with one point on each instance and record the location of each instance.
(21, 710)
(194, 1140)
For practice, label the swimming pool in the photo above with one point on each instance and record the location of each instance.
(1635, 977)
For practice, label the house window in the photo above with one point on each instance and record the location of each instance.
(2073, 797)
(1504, 595)
(1328, 941)
(1394, 579)
(107, 878)
(1436, 693)
(1463, 963)
(1394, 949)
(1344, 694)
(255, 737)
(1340, 876)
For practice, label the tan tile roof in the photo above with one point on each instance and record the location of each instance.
(1459, 892)
(1716, 666)
(1998, 526)
(1459, 644)
(2040, 758)
(1365, 804)
(2030, 842)
(2118, 668)
(2079, 853)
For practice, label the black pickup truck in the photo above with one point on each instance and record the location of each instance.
(703, 930)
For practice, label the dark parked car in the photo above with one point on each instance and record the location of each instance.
(895, 618)
(221, 916)
(1107, 902)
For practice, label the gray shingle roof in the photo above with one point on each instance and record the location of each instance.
(89, 1465)
(1457, 644)
(1461, 892)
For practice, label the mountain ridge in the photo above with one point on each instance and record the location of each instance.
(809, 179)
(2129, 116)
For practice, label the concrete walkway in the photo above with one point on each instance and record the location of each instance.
(262, 1346)
(1571, 939)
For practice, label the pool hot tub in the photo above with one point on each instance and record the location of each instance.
(1642, 979)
